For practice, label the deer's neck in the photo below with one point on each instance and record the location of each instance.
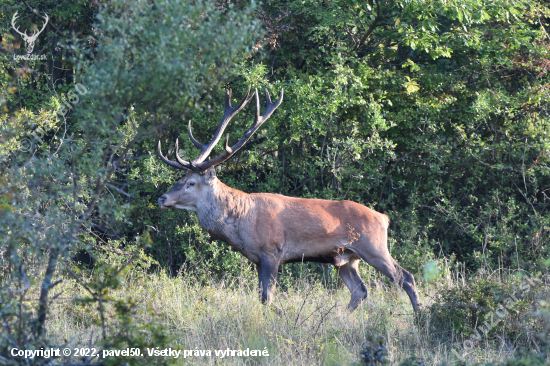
(221, 211)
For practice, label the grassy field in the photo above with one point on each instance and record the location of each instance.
(315, 328)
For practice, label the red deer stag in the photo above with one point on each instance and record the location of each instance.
(271, 229)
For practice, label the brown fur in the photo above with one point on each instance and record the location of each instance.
(272, 229)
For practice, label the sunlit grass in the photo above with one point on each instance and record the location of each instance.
(315, 328)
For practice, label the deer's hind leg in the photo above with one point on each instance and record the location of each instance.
(389, 267)
(350, 276)
(406, 280)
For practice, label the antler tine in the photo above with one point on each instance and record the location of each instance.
(182, 162)
(195, 142)
(229, 113)
(46, 18)
(37, 32)
(170, 162)
(257, 115)
(258, 121)
(227, 148)
(271, 106)
(13, 19)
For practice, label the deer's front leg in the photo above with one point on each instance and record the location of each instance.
(267, 278)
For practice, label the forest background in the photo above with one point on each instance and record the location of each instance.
(432, 112)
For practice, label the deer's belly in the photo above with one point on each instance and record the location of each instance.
(318, 251)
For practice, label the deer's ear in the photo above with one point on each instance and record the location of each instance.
(210, 175)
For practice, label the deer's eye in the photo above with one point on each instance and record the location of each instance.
(191, 184)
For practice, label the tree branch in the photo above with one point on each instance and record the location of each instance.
(50, 23)
(46, 286)
(372, 26)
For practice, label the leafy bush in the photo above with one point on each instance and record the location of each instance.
(63, 156)
(485, 305)
(373, 352)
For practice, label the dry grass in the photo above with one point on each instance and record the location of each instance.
(314, 330)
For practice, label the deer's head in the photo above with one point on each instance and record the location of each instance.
(201, 175)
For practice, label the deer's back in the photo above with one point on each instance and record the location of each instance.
(300, 227)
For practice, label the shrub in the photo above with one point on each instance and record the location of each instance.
(488, 305)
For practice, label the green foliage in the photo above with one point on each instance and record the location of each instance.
(437, 119)
(138, 64)
(131, 333)
(433, 112)
(206, 257)
(483, 306)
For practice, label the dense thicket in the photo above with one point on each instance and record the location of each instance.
(432, 112)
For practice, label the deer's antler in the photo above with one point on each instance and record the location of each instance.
(14, 27)
(36, 33)
(199, 164)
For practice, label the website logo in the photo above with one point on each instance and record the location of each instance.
(29, 40)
